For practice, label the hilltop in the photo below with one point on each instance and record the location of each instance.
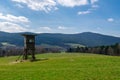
(61, 40)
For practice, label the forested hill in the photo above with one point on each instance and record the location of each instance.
(86, 39)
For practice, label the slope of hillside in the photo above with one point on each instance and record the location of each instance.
(85, 39)
(12, 38)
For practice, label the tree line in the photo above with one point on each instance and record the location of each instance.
(106, 50)
(13, 51)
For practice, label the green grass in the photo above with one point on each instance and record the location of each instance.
(64, 66)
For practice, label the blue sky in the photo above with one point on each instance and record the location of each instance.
(60, 16)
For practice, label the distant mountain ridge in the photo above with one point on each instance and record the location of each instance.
(55, 39)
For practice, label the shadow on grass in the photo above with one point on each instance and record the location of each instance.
(31, 60)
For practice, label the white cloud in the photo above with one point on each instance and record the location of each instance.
(110, 19)
(38, 5)
(48, 5)
(83, 12)
(56, 8)
(19, 5)
(95, 6)
(72, 3)
(12, 18)
(45, 28)
(11, 23)
(11, 27)
(92, 8)
(93, 1)
(61, 27)
(42, 30)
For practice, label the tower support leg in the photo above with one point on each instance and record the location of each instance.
(33, 54)
(25, 56)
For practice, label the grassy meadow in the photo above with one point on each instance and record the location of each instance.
(62, 66)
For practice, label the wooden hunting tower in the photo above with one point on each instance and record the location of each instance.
(29, 46)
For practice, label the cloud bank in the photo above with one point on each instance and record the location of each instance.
(11, 27)
(13, 18)
(48, 5)
(72, 3)
(11, 23)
